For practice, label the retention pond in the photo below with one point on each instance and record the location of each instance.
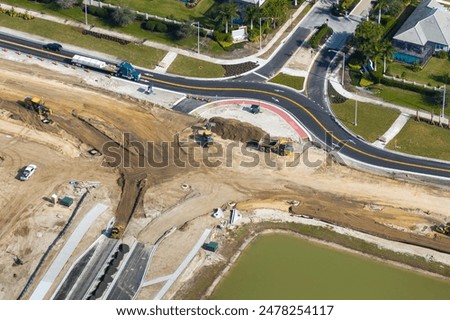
(282, 266)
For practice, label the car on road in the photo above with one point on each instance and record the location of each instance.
(28, 172)
(53, 47)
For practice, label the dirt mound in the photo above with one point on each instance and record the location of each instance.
(232, 129)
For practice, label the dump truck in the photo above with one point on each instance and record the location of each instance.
(280, 146)
(38, 105)
(123, 69)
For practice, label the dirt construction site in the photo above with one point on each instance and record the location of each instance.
(141, 160)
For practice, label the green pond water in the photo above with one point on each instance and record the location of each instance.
(283, 267)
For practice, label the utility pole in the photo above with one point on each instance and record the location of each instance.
(343, 68)
(198, 37)
(443, 102)
(356, 113)
(85, 13)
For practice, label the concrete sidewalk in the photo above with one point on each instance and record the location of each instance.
(65, 253)
(166, 62)
(395, 128)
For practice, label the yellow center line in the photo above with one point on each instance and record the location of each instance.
(32, 48)
(262, 92)
(309, 113)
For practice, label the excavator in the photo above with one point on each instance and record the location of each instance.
(38, 105)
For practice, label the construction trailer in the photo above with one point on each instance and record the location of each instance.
(66, 201)
(123, 69)
(211, 246)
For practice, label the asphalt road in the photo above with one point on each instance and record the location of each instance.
(88, 269)
(281, 56)
(132, 274)
(311, 112)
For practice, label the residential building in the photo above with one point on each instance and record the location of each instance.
(426, 31)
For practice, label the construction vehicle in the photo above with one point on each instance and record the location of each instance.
(117, 231)
(255, 109)
(203, 135)
(443, 229)
(123, 69)
(38, 105)
(206, 138)
(280, 146)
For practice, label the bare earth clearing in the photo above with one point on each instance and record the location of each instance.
(151, 199)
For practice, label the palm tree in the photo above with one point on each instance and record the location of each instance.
(252, 12)
(228, 11)
(276, 10)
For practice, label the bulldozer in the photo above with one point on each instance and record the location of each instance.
(280, 146)
(38, 105)
(117, 231)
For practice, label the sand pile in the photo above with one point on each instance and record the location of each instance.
(236, 130)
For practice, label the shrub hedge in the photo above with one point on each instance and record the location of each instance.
(407, 86)
(318, 37)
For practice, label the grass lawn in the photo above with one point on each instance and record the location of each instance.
(134, 29)
(406, 98)
(373, 121)
(288, 80)
(173, 8)
(422, 139)
(143, 56)
(190, 67)
(431, 74)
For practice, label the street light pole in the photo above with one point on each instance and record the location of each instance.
(343, 64)
(356, 113)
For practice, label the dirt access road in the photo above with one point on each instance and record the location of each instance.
(86, 117)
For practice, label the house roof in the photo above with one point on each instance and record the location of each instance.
(430, 22)
(255, 2)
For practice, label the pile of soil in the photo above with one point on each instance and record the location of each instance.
(236, 130)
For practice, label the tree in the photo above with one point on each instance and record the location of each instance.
(276, 10)
(252, 12)
(368, 39)
(66, 4)
(227, 11)
(183, 31)
(122, 16)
